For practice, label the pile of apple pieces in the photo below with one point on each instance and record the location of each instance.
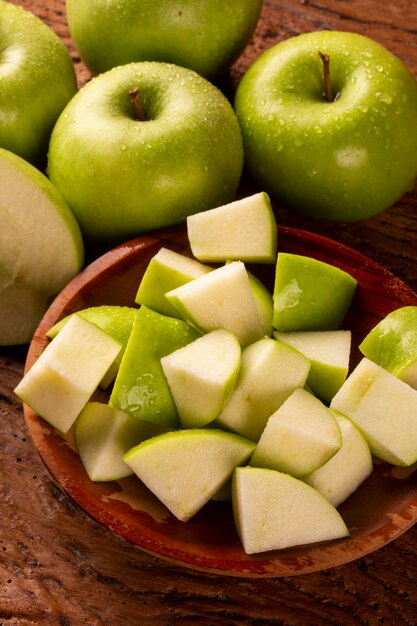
(221, 390)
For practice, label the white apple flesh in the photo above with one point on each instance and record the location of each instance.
(385, 410)
(299, 437)
(184, 469)
(273, 511)
(244, 230)
(166, 271)
(347, 469)
(270, 371)
(41, 248)
(103, 435)
(223, 298)
(202, 375)
(329, 354)
(62, 380)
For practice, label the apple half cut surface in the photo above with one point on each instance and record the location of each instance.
(383, 507)
(41, 248)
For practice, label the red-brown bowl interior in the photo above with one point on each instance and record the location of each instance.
(383, 507)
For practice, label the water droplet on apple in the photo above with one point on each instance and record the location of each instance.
(379, 68)
(318, 130)
(367, 53)
(271, 117)
(279, 147)
(363, 108)
(311, 173)
(262, 103)
(124, 147)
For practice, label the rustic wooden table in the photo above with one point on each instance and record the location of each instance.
(60, 567)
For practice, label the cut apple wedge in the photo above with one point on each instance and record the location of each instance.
(385, 410)
(243, 230)
(347, 469)
(202, 376)
(273, 511)
(299, 437)
(103, 435)
(392, 344)
(116, 321)
(41, 248)
(68, 371)
(270, 371)
(329, 354)
(141, 388)
(223, 298)
(166, 271)
(185, 468)
(310, 294)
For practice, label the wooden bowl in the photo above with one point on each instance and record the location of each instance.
(383, 507)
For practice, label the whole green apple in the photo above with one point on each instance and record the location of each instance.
(329, 124)
(204, 36)
(143, 146)
(37, 80)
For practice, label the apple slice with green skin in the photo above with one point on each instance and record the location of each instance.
(392, 344)
(385, 410)
(41, 248)
(329, 354)
(166, 271)
(103, 435)
(273, 511)
(223, 298)
(141, 388)
(310, 294)
(68, 371)
(116, 321)
(202, 376)
(185, 468)
(243, 230)
(347, 469)
(269, 372)
(299, 437)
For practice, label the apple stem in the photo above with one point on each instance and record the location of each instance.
(135, 100)
(328, 93)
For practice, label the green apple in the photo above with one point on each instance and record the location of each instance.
(41, 248)
(392, 344)
(141, 388)
(310, 294)
(68, 371)
(116, 321)
(202, 376)
(269, 372)
(204, 36)
(103, 435)
(243, 230)
(143, 146)
(347, 469)
(185, 468)
(329, 354)
(223, 298)
(299, 437)
(385, 410)
(37, 81)
(341, 153)
(273, 511)
(166, 271)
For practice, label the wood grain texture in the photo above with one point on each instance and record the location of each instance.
(57, 567)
